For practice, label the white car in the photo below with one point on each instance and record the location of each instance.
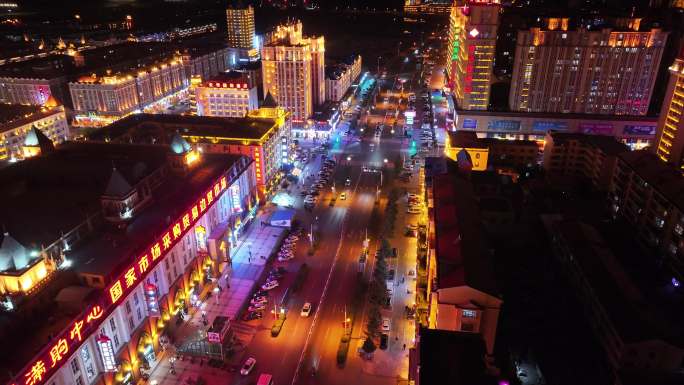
(284, 258)
(306, 310)
(270, 285)
(386, 324)
(248, 366)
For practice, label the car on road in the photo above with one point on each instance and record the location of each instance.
(413, 210)
(248, 366)
(306, 310)
(386, 324)
(256, 307)
(343, 196)
(285, 258)
(258, 301)
(271, 284)
(347, 183)
(249, 316)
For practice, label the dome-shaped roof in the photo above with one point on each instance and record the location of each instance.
(179, 145)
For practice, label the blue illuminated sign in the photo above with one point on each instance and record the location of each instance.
(541, 125)
(504, 125)
(638, 130)
(470, 123)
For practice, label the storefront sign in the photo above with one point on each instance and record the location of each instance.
(470, 124)
(104, 344)
(214, 337)
(597, 128)
(541, 125)
(504, 125)
(235, 198)
(638, 130)
(152, 299)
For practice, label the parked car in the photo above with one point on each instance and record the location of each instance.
(248, 366)
(285, 258)
(386, 324)
(249, 316)
(306, 310)
(271, 284)
(256, 307)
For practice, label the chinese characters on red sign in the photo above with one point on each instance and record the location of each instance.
(65, 344)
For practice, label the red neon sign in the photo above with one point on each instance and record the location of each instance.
(69, 340)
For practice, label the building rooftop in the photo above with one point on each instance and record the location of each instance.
(462, 256)
(10, 113)
(454, 358)
(224, 79)
(629, 309)
(109, 251)
(666, 179)
(605, 143)
(203, 45)
(52, 194)
(117, 57)
(142, 128)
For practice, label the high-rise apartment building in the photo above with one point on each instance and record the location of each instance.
(240, 24)
(294, 70)
(604, 71)
(470, 56)
(669, 145)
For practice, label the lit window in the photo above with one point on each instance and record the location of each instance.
(469, 314)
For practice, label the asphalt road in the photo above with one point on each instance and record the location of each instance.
(308, 342)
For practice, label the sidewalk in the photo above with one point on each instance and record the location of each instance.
(258, 241)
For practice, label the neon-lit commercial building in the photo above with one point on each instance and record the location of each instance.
(182, 211)
(263, 135)
(294, 70)
(669, 144)
(99, 100)
(604, 71)
(470, 51)
(21, 123)
(230, 94)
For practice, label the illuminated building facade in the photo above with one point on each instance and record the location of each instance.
(26, 90)
(240, 25)
(592, 158)
(240, 28)
(99, 100)
(264, 135)
(607, 71)
(340, 78)
(470, 51)
(294, 70)
(669, 145)
(201, 201)
(17, 121)
(231, 95)
(205, 61)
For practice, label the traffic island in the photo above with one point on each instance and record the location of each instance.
(278, 325)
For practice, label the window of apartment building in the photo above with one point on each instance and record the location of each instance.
(112, 324)
(74, 366)
(467, 327)
(139, 312)
(116, 341)
(128, 307)
(79, 380)
(131, 325)
(469, 314)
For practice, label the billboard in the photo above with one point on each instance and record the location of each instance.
(630, 129)
(504, 125)
(542, 125)
(470, 124)
(596, 128)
